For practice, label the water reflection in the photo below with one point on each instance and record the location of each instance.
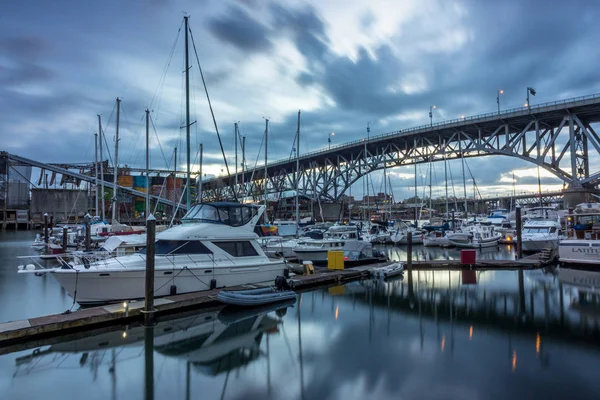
(484, 334)
(422, 253)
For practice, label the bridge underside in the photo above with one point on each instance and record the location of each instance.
(557, 137)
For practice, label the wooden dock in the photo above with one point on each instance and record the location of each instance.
(87, 319)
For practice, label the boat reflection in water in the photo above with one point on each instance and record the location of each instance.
(212, 342)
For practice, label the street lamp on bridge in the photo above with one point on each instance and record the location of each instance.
(431, 115)
(498, 99)
(329, 139)
(533, 92)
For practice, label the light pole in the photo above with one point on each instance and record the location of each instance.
(498, 99)
(533, 92)
(329, 139)
(431, 115)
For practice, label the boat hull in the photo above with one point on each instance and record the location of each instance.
(533, 245)
(579, 252)
(316, 255)
(98, 286)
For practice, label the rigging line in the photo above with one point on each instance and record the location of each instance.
(104, 134)
(161, 82)
(257, 156)
(211, 111)
(473, 178)
(293, 146)
(167, 163)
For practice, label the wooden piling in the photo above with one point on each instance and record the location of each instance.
(150, 237)
(519, 232)
(46, 228)
(88, 236)
(65, 238)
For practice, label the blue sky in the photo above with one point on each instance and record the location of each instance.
(343, 64)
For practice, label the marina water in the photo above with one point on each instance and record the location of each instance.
(433, 335)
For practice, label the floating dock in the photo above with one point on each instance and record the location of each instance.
(121, 313)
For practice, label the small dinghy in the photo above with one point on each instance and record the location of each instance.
(388, 271)
(255, 297)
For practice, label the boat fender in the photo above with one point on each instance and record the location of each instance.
(213, 283)
(173, 290)
(281, 283)
(30, 267)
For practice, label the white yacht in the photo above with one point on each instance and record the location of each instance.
(582, 246)
(215, 246)
(475, 236)
(316, 250)
(400, 236)
(539, 234)
(436, 238)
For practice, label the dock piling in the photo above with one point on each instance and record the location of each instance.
(46, 228)
(519, 232)
(150, 236)
(65, 238)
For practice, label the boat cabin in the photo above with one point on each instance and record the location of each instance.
(227, 213)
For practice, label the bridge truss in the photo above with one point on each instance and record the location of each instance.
(556, 136)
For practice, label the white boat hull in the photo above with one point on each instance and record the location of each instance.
(104, 286)
(531, 245)
(433, 242)
(475, 243)
(316, 255)
(579, 251)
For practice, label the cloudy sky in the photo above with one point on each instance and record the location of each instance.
(384, 62)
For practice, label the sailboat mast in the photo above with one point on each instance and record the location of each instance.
(430, 175)
(200, 178)
(462, 159)
(115, 213)
(100, 139)
(416, 195)
(297, 173)
(147, 163)
(384, 189)
(187, 115)
(96, 169)
(266, 155)
(235, 133)
(175, 196)
(243, 163)
(446, 179)
(367, 176)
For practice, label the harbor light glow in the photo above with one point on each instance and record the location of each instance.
(124, 334)
(471, 332)
(337, 312)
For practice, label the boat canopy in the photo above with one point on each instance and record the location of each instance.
(232, 214)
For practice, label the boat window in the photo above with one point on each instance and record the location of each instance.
(237, 249)
(553, 229)
(165, 247)
(535, 230)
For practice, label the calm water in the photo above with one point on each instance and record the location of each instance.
(429, 336)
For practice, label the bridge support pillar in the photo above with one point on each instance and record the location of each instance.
(577, 195)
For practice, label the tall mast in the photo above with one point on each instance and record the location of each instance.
(200, 181)
(187, 114)
(462, 158)
(297, 173)
(384, 189)
(416, 195)
(367, 176)
(446, 178)
(96, 170)
(243, 163)
(235, 133)
(266, 154)
(175, 196)
(147, 163)
(101, 165)
(115, 213)
(430, 175)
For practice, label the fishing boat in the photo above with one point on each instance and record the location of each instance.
(215, 246)
(541, 234)
(474, 237)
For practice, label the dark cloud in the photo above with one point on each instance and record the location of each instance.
(241, 30)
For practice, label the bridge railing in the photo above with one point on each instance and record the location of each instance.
(440, 124)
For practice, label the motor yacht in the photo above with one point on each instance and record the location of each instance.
(215, 246)
(539, 234)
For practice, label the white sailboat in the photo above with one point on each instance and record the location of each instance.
(214, 247)
(475, 236)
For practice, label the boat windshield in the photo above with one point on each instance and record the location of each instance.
(536, 230)
(231, 214)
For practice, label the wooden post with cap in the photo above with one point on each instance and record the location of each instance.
(149, 298)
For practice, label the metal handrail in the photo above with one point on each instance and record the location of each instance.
(446, 123)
